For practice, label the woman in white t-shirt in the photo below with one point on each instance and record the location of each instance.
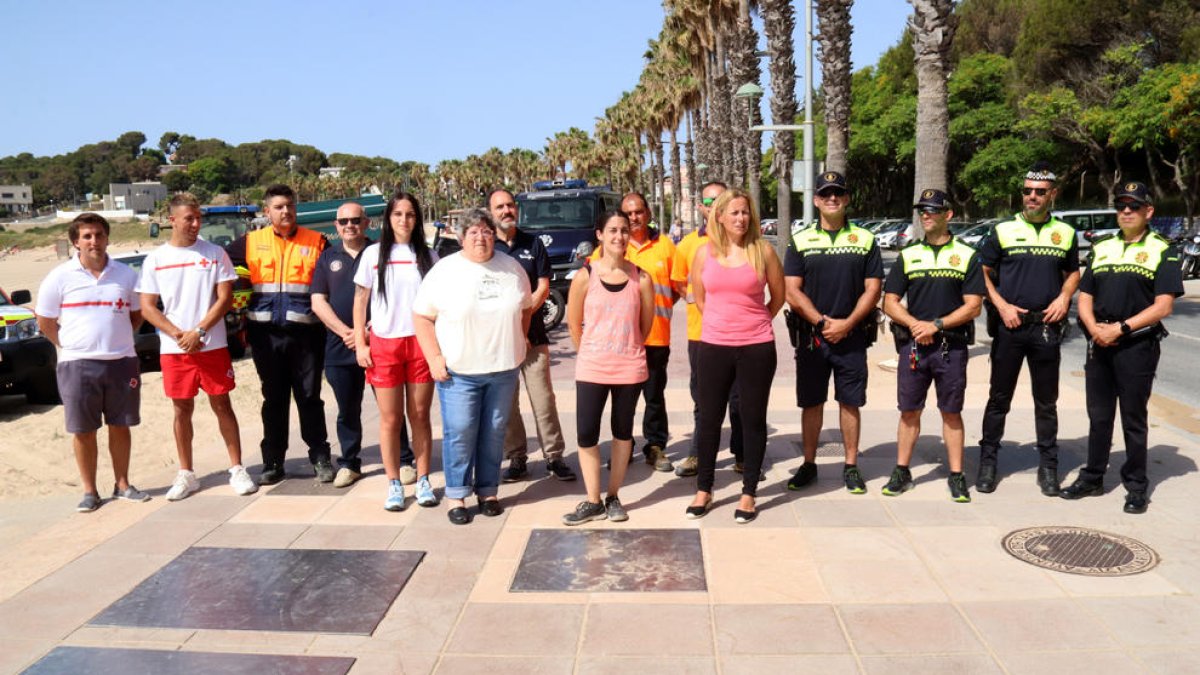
(472, 314)
(387, 279)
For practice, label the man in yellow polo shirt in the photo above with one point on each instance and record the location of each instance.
(682, 265)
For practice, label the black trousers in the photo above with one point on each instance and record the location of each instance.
(289, 360)
(751, 369)
(1121, 374)
(654, 418)
(1042, 349)
(735, 416)
(348, 383)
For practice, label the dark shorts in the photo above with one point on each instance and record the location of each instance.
(846, 361)
(948, 370)
(90, 388)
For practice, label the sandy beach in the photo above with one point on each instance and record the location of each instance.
(35, 451)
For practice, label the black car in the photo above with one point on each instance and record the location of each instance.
(27, 358)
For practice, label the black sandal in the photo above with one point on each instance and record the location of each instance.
(459, 515)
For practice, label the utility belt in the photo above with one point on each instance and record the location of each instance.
(959, 335)
(1051, 332)
(804, 334)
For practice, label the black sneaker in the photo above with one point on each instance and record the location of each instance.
(806, 474)
(560, 470)
(324, 471)
(616, 512)
(584, 512)
(958, 488)
(986, 480)
(517, 470)
(900, 482)
(271, 475)
(854, 480)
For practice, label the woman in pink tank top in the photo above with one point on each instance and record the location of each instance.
(609, 311)
(737, 344)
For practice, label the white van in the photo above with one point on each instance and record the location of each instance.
(1089, 224)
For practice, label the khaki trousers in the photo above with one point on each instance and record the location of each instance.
(535, 370)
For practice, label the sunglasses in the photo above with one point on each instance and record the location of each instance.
(1129, 206)
(350, 221)
(833, 192)
(930, 210)
(708, 201)
(1041, 192)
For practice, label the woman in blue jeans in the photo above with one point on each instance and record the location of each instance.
(471, 315)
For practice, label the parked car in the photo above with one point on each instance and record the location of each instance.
(974, 235)
(145, 343)
(27, 358)
(769, 226)
(888, 231)
(1089, 224)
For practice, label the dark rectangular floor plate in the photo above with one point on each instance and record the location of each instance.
(638, 560)
(103, 661)
(302, 590)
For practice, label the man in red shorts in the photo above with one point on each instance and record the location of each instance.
(194, 279)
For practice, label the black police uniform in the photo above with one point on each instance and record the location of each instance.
(935, 279)
(835, 266)
(1124, 279)
(334, 278)
(1030, 262)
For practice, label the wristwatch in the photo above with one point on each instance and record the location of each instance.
(820, 325)
(201, 332)
(1125, 329)
(937, 323)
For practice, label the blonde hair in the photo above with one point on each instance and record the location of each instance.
(719, 238)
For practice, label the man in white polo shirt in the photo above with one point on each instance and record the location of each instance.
(87, 307)
(194, 279)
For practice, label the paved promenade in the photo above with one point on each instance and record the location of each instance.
(823, 581)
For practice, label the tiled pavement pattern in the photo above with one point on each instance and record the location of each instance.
(822, 582)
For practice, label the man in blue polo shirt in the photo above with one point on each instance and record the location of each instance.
(528, 250)
(333, 303)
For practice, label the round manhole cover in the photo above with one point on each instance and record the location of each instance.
(1078, 550)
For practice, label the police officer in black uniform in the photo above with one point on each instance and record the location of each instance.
(1031, 268)
(943, 283)
(833, 273)
(1129, 287)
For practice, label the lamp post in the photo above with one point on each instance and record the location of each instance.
(802, 171)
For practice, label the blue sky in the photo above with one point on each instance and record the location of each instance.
(403, 79)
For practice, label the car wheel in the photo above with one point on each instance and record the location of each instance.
(43, 389)
(554, 309)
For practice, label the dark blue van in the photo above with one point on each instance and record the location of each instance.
(563, 214)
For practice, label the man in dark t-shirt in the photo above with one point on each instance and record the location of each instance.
(1031, 268)
(833, 272)
(333, 303)
(529, 251)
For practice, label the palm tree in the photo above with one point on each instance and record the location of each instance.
(932, 25)
(779, 22)
(833, 20)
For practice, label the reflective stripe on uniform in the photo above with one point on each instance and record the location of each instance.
(280, 288)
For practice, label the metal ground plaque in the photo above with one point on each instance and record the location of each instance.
(1079, 550)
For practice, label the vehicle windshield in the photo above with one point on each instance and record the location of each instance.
(891, 227)
(134, 262)
(222, 229)
(567, 213)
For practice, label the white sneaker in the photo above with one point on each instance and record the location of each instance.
(408, 474)
(184, 485)
(241, 482)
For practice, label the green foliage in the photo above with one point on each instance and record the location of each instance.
(213, 174)
(994, 174)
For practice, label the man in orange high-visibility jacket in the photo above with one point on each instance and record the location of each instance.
(655, 254)
(287, 340)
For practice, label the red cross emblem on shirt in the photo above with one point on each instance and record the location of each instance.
(120, 303)
(204, 263)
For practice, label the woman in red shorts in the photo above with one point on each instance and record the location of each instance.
(387, 281)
